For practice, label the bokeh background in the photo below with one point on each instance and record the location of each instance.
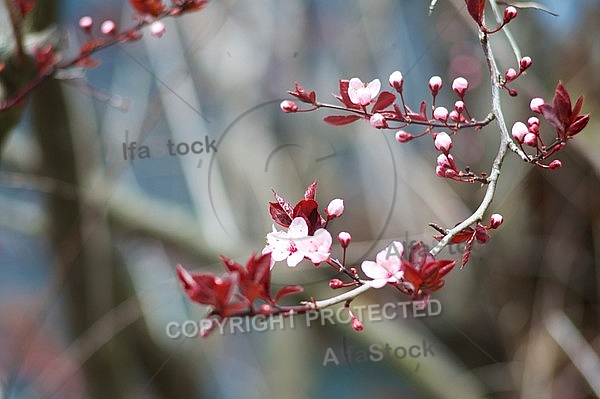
(89, 241)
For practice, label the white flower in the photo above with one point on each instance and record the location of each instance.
(362, 94)
(387, 267)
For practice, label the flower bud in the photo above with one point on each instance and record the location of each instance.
(288, 106)
(108, 27)
(377, 121)
(396, 81)
(495, 221)
(525, 63)
(86, 23)
(510, 74)
(335, 208)
(536, 103)
(460, 86)
(533, 121)
(344, 239)
(357, 325)
(403, 137)
(336, 283)
(265, 309)
(530, 139)
(555, 164)
(510, 13)
(441, 114)
(435, 84)
(459, 106)
(157, 29)
(454, 116)
(519, 130)
(442, 142)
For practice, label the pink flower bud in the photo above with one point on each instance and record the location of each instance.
(403, 137)
(519, 130)
(536, 103)
(157, 29)
(555, 164)
(435, 84)
(441, 114)
(288, 106)
(344, 239)
(86, 23)
(108, 27)
(357, 325)
(442, 142)
(533, 121)
(377, 121)
(510, 74)
(396, 81)
(454, 116)
(265, 309)
(460, 86)
(336, 283)
(459, 106)
(535, 129)
(525, 63)
(495, 221)
(335, 208)
(530, 139)
(510, 13)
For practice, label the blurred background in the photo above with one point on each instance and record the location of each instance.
(89, 241)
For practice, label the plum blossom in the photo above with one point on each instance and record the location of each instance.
(295, 244)
(387, 266)
(361, 93)
(335, 209)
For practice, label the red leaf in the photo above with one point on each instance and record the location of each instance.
(467, 253)
(550, 115)
(340, 120)
(288, 290)
(344, 98)
(384, 100)
(278, 215)
(577, 126)
(302, 95)
(476, 8)
(311, 191)
(309, 210)
(562, 103)
(152, 7)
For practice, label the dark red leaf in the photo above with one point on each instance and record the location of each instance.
(288, 290)
(302, 95)
(577, 126)
(562, 103)
(344, 98)
(286, 206)
(578, 105)
(467, 253)
(309, 211)
(340, 120)
(476, 8)
(384, 100)
(550, 115)
(278, 215)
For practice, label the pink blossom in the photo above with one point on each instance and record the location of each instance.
(357, 325)
(157, 29)
(403, 137)
(525, 63)
(288, 106)
(510, 74)
(387, 266)
(396, 81)
(335, 208)
(460, 86)
(442, 142)
(362, 94)
(530, 139)
(446, 167)
(344, 239)
(108, 27)
(378, 121)
(295, 244)
(86, 23)
(519, 130)
(495, 221)
(435, 84)
(536, 103)
(441, 114)
(459, 106)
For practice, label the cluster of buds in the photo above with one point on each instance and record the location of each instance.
(565, 118)
(511, 74)
(387, 110)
